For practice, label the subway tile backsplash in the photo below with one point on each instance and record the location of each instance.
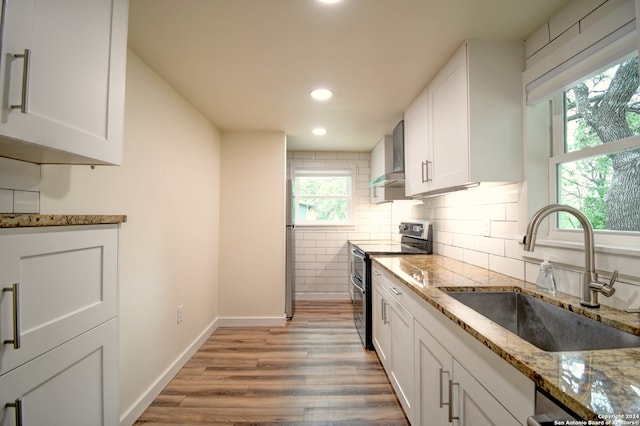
(321, 255)
(19, 186)
(26, 202)
(6, 201)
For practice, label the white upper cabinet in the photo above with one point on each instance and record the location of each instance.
(381, 161)
(448, 119)
(466, 126)
(416, 144)
(63, 72)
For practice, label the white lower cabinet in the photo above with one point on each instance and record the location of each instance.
(446, 392)
(442, 375)
(433, 371)
(381, 331)
(73, 385)
(393, 339)
(58, 308)
(473, 405)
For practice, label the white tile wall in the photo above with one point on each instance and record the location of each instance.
(26, 202)
(459, 233)
(19, 186)
(321, 255)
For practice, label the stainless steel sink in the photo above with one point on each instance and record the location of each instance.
(544, 325)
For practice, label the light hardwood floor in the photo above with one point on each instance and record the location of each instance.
(313, 371)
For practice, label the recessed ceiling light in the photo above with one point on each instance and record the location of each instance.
(319, 131)
(329, 1)
(321, 94)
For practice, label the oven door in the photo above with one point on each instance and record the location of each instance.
(359, 307)
(358, 265)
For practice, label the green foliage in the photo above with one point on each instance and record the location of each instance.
(584, 184)
(326, 198)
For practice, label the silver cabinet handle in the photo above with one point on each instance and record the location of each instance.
(16, 315)
(377, 274)
(395, 291)
(451, 416)
(3, 11)
(425, 171)
(442, 403)
(23, 107)
(17, 405)
(385, 320)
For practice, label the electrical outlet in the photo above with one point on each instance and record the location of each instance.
(179, 314)
(487, 228)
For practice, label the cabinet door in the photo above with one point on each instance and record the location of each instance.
(67, 282)
(416, 146)
(448, 108)
(71, 89)
(377, 167)
(401, 332)
(381, 338)
(433, 368)
(74, 384)
(474, 405)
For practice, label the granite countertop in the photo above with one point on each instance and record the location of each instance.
(30, 220)
(594, 384)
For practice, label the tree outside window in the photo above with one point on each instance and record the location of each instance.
(595, 172)
(322, 197)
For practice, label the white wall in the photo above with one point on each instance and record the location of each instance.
(169, 187)
(252, 238)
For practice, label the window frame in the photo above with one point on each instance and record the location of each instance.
(544, 135)
(324, 169)
(558, 156)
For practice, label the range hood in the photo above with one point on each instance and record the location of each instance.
(387, 168)
(393, 159)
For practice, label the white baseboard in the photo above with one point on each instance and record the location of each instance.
(136, 410)
(323, 296)
(252, 321)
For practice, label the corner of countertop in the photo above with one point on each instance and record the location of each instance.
(19, 220)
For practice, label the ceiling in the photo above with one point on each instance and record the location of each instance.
(249, 65)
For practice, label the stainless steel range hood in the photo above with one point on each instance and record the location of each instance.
(390, 152)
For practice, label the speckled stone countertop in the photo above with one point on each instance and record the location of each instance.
(30, 220)
(594, 384)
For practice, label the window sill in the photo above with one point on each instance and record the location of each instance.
(570, 255)
(325, 227)
(578, 246)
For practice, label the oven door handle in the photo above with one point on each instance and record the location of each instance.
(353, 283)
(358, 253)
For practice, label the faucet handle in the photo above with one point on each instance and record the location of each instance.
(605, 288)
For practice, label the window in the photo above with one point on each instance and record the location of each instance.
(322, 195)
(595, 161)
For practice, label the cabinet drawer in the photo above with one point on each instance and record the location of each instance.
(74, 384)
(67, 284)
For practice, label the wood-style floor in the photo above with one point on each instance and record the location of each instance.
(313, 371)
